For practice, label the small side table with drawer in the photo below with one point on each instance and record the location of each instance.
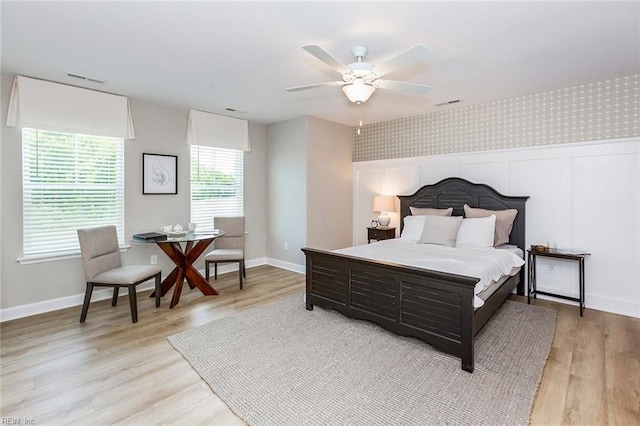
(380, 234)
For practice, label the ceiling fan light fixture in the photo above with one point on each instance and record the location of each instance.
(360, 79)
(358, 92)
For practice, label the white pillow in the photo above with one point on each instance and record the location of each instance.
(476, 232)
(441, 230)
(504, 222)
(413, 226)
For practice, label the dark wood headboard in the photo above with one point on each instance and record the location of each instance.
(456, 192)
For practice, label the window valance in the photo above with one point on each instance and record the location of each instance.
(217, 131)
(53, 106)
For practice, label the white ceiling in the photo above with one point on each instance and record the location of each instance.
(242, 55)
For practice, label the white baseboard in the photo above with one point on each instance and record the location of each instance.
(293, 267)
(30, 309)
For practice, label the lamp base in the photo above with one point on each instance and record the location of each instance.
(384, 220)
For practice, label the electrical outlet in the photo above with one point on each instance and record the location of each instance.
(551, 269)
(154, 259)
(286, 245)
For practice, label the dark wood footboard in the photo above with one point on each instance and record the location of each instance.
(434, 307)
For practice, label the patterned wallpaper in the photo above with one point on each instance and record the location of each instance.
(604, 110)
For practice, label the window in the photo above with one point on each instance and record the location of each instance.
(69, 181)
(217, 184)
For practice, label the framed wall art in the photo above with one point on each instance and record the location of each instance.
(159, 174)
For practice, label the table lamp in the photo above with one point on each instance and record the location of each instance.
(384, 204)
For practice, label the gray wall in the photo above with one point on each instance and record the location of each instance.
(287, 189)
(329, 185)
(255, 193)
(310, 187)
(159, 129)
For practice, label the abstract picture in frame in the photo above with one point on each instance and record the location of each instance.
(159, 174)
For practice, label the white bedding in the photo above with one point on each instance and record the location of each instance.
(487, 264)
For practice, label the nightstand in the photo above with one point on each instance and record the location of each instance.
(379, 234)
(558, 254)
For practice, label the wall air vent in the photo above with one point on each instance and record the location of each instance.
(89, 79)
(455, 101)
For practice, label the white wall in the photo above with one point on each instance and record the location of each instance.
(159, 129)
(583, 196)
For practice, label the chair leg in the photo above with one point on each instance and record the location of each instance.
(244, 269)
(158, 279)
(114, 300)
(206, 270)
(215, 270)
(133, 302)
(240, 273)
(87, 299)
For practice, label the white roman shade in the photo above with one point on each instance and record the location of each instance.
(217, 131)
(42, 104)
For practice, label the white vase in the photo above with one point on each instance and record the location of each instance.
(384, 220)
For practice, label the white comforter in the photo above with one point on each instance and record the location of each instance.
(486, 264)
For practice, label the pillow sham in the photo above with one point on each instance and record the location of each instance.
(418, 211)
(476, 232)
(504, 221)
(441, 230)
(412, 230)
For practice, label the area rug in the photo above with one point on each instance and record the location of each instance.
(279, 364)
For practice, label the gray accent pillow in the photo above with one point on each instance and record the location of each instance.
(504, 222)
(441, 230)
(419, 211)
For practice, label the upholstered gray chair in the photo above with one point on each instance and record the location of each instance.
(228, 248)
(103, 268)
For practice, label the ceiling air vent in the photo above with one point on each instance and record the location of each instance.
(455, 101)
(89, 79)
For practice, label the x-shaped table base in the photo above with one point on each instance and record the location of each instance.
(184, 268)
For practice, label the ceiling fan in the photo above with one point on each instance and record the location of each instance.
(360, 79)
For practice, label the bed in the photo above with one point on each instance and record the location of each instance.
(435, 307)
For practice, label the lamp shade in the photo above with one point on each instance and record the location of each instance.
(384, 203)
(358, 92)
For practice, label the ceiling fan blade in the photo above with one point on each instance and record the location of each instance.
(326, 57)
(419, 52)
(315, 86)
(402, 86)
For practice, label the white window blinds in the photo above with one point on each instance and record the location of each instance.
(217, 184)
(69, 181)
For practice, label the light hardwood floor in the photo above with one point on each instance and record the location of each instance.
(55, 370)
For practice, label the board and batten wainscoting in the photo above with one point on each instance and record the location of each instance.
(583, 196)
